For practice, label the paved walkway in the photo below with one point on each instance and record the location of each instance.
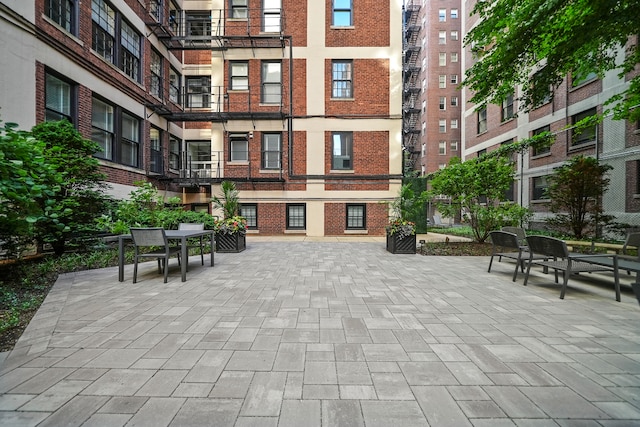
(329, 333)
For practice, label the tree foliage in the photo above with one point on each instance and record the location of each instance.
(229, 199)
(575, 190)
(537, 43)
(478, 188)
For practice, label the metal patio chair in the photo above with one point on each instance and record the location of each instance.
(152, 238)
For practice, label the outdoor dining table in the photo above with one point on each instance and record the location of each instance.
(181, 235)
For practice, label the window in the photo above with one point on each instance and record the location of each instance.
(453, 146)
(116, 132)
(507, 108)
(155, 138)
(271, 82)
(538, 151)
(454, 123)
(342, 13)
(442, 148)
(587, 134)
(296, 217)
(442, 125)
(63, 13)
(198, 156)
(539, 188)
(155, 87)
(174, 152)
(239, 146)
(454, 13)
(342, 151)
(454, 56)
(198, 24)
(442, 15)
(442, 37)
(155, 9)
(442, 81)
(271, 16)
(454, 35)
(453, 79)
(239, 75)
(174, 85)
(542, 96)
(250, 213)
(102, 127)
(578, 80)
(442, 105)
(198, 91)
(239, 9)
(482, 120)
(342, 79)
(123, 51)
(454, 101)
(59, 98)
(174, 16)
(356, 217)
(442, 59)
(271, 150)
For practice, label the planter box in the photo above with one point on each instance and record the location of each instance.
(230, 243)
(395, 245)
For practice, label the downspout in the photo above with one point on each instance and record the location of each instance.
(290, 118)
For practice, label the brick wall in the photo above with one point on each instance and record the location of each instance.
(368, 18)
(370, 89)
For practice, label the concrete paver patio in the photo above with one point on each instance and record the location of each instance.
(326, 333)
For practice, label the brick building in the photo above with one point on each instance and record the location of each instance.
(295, 101)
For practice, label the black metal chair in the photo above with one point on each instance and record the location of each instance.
(193, 226)
(505, 244)
(156, 239)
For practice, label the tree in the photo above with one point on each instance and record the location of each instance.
(72, 210)
(535, 44)
(25, 177)
(575, 190)
(478, 188)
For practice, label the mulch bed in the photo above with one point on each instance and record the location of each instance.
(455, 249)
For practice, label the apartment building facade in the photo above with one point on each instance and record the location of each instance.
(613, 142)
(297, 102)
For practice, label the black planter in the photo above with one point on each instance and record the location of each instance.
(229, 243)
(397, 245)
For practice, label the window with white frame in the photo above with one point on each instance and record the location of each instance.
(454, 56)
(271, 143)
(239, 9)
(442, 81)
(155, 65)
(540, 150)
(63, 13)
(442, 15)
(155, 9)
(454, 13)
(130, 140)
(586, 134)
(539, 188)
(296, 216)
(271, 16)
(342, 79)
(454, 35)
(453, 146)
(482, 120)
(155, 139)
(442, 103)
(442, 125)
(106, 42)
(239, 147)
(442, 59)
(103, 128)
(356, 216)
(239, 75)
(442, 148)
(198, 156)
(454, 123)
(59, 96)
(174, 85)
(342, 13)
(271, 82)
(454, 79)
(342, 151)
(454, 101)
(442, 37)
(507, 108)
(198, 90)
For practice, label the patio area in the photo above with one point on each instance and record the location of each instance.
(327, 332)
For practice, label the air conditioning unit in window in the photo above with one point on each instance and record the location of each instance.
(342, 162)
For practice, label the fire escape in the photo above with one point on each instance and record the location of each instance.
(411, 86)
(220, 32)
